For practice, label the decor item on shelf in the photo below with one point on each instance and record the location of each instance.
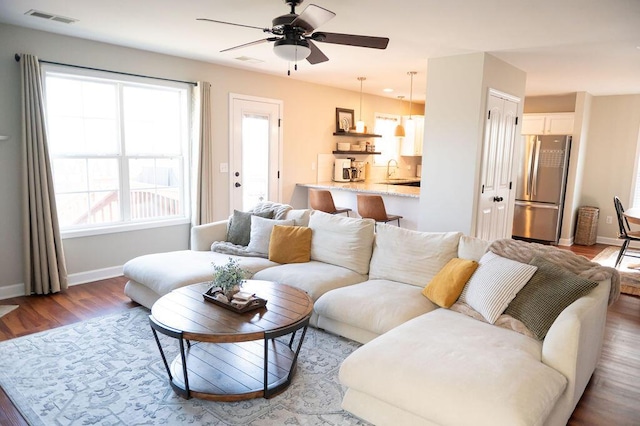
(344, 146)
(229, 277)
(399, 132)
(344, 120)
(294, 37)
(360, 127)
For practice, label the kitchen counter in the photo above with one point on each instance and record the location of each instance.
(390, 187)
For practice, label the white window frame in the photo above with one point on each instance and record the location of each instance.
(186, 154)
(383, 160)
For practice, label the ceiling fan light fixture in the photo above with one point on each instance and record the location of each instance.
(292, 50)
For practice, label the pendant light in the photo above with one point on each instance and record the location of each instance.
(399, 132)
(360, 123)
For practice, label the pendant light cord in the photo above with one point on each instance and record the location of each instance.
(361, 80)
(411, 73)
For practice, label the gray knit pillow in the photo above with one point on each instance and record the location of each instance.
(550, 290)
(239, 231)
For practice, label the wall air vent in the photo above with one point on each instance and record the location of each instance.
(50, 16)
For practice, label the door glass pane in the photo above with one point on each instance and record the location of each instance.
(255, 159)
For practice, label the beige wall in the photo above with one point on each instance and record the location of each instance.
(457, 90)
(555, 103)
(308, 124)
(611, 157)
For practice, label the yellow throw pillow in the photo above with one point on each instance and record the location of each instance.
(445, 288)
(290, 244)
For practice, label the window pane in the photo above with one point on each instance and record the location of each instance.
(104, 207)
(155, 188)
(103, 174)
(73, 209)
(153, 121)
(387, 145)
(255, 159)
(70, 175)
(82, 116)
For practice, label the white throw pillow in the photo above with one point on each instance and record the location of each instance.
(411, 257)
(472, 248)
(494, 284)
(261, 233)
(299, 216)
(342, 241)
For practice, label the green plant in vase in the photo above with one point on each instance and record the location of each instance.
(229, 277)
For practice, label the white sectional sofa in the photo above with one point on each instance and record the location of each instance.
(419, 363)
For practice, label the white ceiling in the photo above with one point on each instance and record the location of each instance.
(564, 46)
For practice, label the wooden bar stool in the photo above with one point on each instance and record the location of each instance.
(321, 199)
(372, 207)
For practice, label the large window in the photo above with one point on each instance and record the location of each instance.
(119, 150)
(387, 145)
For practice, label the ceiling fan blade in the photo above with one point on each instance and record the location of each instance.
(316, 55)
(351, 40)
(312, 17)
(234, 24)
(264, 40)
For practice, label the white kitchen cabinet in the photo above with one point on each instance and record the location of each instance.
(560, 123)
(411, 145)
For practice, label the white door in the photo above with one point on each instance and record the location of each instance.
(497, 166)
(254, 151)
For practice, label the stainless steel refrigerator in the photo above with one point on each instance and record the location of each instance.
(540, 189)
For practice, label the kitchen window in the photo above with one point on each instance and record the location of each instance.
(119, 150)
(387, 145)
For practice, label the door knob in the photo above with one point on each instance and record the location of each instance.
(497, 199)
(238, 184)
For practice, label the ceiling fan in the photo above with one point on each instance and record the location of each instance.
(294, 36)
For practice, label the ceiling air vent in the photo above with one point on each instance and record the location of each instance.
(50, 16)
(249, 59)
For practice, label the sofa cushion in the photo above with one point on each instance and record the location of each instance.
(261, 233)
(450, 369)
(411, 257)
(290, 244)
(163, 272)
(316, 278)
(445, 288)
(239, 230)
(342, 241)
(550, 290)
(374, 305)
(494, 284)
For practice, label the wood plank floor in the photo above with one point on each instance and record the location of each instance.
(611, 398)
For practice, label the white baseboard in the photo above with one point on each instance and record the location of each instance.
(565, 241)
(95, 275)
(17, 290)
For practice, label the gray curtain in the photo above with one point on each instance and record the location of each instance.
(45, 271)
(203, 180)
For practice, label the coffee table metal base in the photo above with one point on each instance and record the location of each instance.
(233, 371)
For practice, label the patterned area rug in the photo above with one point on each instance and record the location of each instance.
(629, 269)
(108, 371)
(5, 309)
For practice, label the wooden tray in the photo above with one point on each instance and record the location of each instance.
(256, 303)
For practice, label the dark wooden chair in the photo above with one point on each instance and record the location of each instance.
(321, 199)
(625, 233)
(372, 207)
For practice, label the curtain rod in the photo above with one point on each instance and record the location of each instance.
(17, 57)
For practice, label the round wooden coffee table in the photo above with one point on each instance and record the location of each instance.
(230, 356)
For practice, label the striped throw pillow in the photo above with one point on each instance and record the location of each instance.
(494, 285)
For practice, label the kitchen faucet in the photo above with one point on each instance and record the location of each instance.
(389, 165)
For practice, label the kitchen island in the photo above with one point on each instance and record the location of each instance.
(398, 198)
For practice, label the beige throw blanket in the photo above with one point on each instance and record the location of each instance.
(522, 251)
